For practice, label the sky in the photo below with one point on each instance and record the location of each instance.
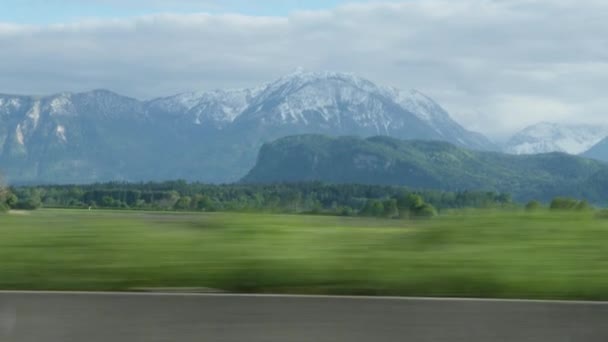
(496, 65)
(55, 11)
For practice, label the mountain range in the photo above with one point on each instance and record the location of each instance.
(209, 136)
(428, 165)
(215, 136)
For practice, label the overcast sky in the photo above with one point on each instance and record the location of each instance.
(496, 65)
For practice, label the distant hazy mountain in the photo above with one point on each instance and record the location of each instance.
(79, 137)
(598, 151)
(208, 136)
(551, 137)
(427, 165)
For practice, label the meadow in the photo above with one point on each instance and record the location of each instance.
(477, 253)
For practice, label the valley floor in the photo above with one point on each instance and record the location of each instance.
(500, 254)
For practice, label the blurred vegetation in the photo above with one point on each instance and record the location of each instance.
(565, 203)
(7, 198)
(533, 206)
(500, 253)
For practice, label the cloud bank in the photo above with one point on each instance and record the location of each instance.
(496, 65)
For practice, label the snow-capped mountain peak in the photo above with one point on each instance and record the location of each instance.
(547, 137)
(330, 101)
(300, 78)
(344, 102)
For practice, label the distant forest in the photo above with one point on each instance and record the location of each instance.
(312, 197)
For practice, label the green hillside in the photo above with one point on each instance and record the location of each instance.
(428, 165)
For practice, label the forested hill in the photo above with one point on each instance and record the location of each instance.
(428, 165)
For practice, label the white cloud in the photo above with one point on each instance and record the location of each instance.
(496, 64)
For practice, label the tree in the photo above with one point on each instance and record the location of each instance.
(12, 200)
(413, 205)
(107, 202)
(183, 203)
(206, 204)
(390, 208)
(373, 207)
(4, 196)
(408, 203)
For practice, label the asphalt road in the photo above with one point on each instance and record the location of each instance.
(80, 317)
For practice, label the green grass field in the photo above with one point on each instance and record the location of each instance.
(478, 254)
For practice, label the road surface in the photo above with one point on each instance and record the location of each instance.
(103, 317)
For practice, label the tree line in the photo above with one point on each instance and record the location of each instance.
(311, 197)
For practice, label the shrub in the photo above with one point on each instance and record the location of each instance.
(425, 211)
(533, 206)
(564, 203)
(346, 211)
(583, 206)
(602, 214)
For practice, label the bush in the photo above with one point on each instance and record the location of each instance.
(425, 211)
(564, 203)
(602, 214)
(533, 206)
(583, 206)
(28, 199)
(346, 211)
(28, 204)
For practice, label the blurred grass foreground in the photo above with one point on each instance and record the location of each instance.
(501, 254)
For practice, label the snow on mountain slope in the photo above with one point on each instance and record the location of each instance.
(325, 99)
(343, 103)
(551, 137)
(301, 91)
(222, 107)
(421, 105)
(216, 108)
(439, 119)
(30, 123)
